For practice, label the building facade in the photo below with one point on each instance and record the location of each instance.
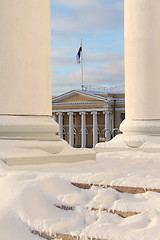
(88, 117)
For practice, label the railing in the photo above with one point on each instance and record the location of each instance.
(112, 134)
(94, 88)
(114, 131)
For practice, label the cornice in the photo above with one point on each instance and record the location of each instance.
(88, 110)
(79, 103)
(107, 103)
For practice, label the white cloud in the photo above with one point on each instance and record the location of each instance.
(61, 56)
(64, 56)
(103, 57)
(76, 4)
(108, 74)
(88, 15)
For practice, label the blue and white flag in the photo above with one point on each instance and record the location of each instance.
(78, 56)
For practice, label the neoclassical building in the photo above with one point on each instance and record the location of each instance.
(88, 117)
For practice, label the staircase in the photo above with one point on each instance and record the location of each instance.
(84, 187)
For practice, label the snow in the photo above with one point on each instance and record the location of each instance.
(29, 196)
(131, 143)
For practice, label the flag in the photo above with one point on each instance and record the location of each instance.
(78, 56)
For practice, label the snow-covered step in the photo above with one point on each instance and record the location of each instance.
(123, 189)
(109, 199)
(120, 213)
(61, 236)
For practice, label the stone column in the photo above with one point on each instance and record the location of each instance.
(107, 125)
(28, 133)
(142, 67)
(25, 63)
(113, 121)
(60, 122)
(83, 129)
(25, 71)
(141, 128)
(71, 133)
(95, 136)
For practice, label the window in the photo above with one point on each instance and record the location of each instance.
(98, 131)
(80, 131)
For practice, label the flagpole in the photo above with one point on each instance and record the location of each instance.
(82, 86)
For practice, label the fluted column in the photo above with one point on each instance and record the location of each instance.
(107, 125)
(83, 129)
(60, 121)
(95, 136)
(112, 116)
(71, 133)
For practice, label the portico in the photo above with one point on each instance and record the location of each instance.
(86, 122)
(83, 126)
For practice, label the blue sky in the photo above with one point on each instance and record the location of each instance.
(100, 25)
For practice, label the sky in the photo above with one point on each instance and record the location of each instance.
(100, 25)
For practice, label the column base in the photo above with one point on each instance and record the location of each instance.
(138, 135)
(26, 140)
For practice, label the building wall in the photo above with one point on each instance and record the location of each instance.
(89, 126)
(75, 104)
(77, 127)
(118, 118)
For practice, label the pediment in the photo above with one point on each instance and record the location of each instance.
(76, 97)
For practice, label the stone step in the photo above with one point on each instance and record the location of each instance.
(122, 189)
(131, 190)
(120, 213)
(61, 236)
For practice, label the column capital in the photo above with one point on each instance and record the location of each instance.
(94, 112)
(107, 112)
(70, 113)
(83, 113)
(59, 113)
